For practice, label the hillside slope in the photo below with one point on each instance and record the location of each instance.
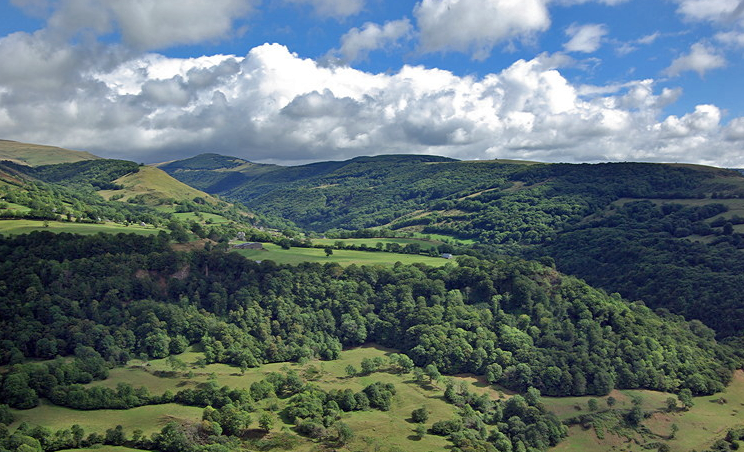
(668, 234)
(111, 194)
(36, 154)
(153, 186)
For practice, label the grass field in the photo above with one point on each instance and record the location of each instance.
(103, 449)
(26, 226)
(295, 256)
(17, 208)
(374, 430)
(201, 217)
(444, 238)
(149, 419)
(372, 243)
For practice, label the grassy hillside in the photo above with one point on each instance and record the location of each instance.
(36, 154)
(105, 195)
(154, 186)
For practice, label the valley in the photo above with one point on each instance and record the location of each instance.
(126, 300)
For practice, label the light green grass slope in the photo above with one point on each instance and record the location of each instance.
(36, 154)
(156, 185)
(294, 256)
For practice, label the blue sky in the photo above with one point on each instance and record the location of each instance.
(294, 81)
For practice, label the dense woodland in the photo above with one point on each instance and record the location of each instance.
(518, 322)
(638, 251)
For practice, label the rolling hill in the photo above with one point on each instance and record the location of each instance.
(109, 196)
(36, 154)
(153, 186)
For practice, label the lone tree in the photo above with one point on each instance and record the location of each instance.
(328, 251)
(420, 415)
(685, 397)
(266, 421)
(432, 372)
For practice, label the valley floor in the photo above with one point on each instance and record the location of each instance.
(707, 421)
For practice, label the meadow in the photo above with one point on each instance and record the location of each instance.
(26, 226)
(372, 242)
(296, 255)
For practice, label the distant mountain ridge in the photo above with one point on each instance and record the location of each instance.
(438, 193)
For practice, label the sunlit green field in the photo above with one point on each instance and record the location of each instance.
(103, 449)
(149, 419)
(444, 238)
(16, 207)
(295, 256)
(374, 430)
(26, 226)
(201, 217)
(372, 243)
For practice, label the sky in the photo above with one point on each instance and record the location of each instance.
(298, 81)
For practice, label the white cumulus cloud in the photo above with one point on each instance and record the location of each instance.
(717, 11)
(701, 59)
(273, 106)
(476, 26)
(358, 42)
(585, 38)
(731, 38)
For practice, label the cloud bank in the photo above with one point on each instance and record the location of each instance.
(274, 106)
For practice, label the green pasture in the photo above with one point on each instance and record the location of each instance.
(444, 238)
(374, 430)
(200, 217)
(156, 184)
(26, 226)
(295, 255)
(102, 449)
(149, 419)
(16, 207)
(372, 243)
